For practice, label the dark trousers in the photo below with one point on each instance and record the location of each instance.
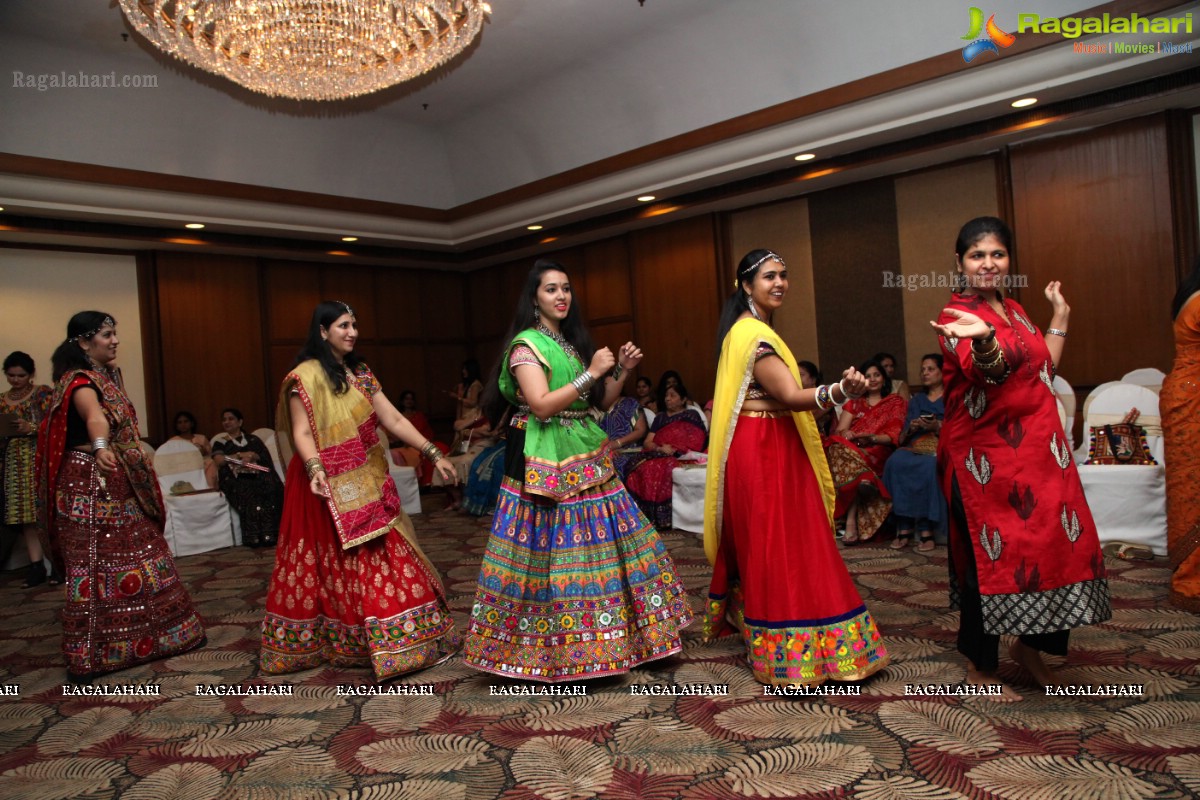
(974, 642)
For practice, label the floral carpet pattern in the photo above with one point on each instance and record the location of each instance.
(463, 742)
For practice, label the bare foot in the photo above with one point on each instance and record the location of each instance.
(977, 677)
(1031, 661)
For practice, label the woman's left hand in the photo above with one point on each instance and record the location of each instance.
(630, 356)
(1057, 301)
(23, 427)
(107, 460)
(446, 470)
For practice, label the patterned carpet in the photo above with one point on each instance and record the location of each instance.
(463, 743)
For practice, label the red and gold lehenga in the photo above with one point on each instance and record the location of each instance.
(125, 604)
(351, 586)
(768, 531)
(854, 465)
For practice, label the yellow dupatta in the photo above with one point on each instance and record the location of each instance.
(734, 372)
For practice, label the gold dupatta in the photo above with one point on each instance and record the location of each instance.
(351, 451)
(734, 372)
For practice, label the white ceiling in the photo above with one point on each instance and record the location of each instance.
(552, 85)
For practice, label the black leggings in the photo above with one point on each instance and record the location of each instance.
(974, 642)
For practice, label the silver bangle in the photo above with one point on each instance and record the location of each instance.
(1056, 332)
(99, 443)
(845, 393)
(583, 383)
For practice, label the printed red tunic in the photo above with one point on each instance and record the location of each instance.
(1036, 550)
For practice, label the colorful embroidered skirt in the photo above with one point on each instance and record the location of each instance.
(376, 604)
(779, 577)
(851, 468)
(573, 590)
(125, 604)
(20, 502)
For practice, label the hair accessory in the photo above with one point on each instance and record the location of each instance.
(346, 306)
(771, 254)
(312, 466)
(89, 334)
(1056, 332)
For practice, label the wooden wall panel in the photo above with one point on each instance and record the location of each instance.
(930, 208)
(443, 311)
(210, 316)
(677, 300)
(397, 306)
(280, 360)
(400, 367)
(782, 227)
(854, 238)
(607, 286)
(443, 368)
(291, 292)
(354, 286)
(1093, 210)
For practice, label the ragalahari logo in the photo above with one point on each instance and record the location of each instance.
(991, 43)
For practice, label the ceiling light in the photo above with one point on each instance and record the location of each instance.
(195, 226)
(1, 208)
(309, 50)
(336, 253)
(349, 238)
(548, 240)
(806, 156)
(646, 198)
(533, 227)
(1024, 102)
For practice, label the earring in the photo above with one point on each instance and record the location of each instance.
(753, 308)
(537, 314)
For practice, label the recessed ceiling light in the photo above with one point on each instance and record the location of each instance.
(533, 227)
(1, 208)
(549, 239)
(806, 156)
(336, 253)
(646, 198)
(195, 226)
(349, 238)
(1024, 102)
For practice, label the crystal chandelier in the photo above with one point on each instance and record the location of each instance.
(310, 49)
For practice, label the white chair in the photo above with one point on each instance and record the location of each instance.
(687, 498)
(1149, 377)
(1066, 396)
(268, 439)
(196, 522)
(1128, 502)
(407, 487)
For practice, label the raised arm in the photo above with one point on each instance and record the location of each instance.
(1056, 334)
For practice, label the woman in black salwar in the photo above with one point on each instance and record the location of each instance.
(256, 495)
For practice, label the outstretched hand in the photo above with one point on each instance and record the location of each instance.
(965, 325)
(1054, 295)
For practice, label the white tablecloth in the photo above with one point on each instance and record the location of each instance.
(1128, 503)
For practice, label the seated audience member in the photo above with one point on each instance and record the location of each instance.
(473, 435)
(867, 432)
(677, 429)
(255, 494)
(899, 387)
(405, 456)
(673, 378)
(910, 474)
(625, 423)
(645, 394)
(483, 479)
(185, 430)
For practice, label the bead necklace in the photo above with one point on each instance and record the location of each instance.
(560, 340)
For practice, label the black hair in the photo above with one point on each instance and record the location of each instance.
(405, 393)
(18, 359)
(980, 227)
(471, 367)
(881, 356)
(886, 388)
(662, 382)
(935, 358)
(572, 329)
(1190, 285)
(324, 315)
(69, 355)
(233, 411)
(812, 369)
(738, 302)
(186, 415)
(679, 388)
(649, 382)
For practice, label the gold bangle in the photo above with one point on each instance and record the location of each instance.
(431, 452)
(312, 466)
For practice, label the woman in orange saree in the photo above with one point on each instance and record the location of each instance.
(1179, 405)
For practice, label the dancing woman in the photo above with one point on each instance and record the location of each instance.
(125, 604)
(351, 586)
(1024, 555)
(778, 576)
(575, 582)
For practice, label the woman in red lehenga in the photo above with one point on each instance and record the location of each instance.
(350, 586)
(125, 604)
(676, 430)
(867, 432)
(768, 501)
(1024, 555)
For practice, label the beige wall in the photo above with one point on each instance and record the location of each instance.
(43, 288)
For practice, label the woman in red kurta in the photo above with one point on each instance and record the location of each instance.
(1024, 555)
